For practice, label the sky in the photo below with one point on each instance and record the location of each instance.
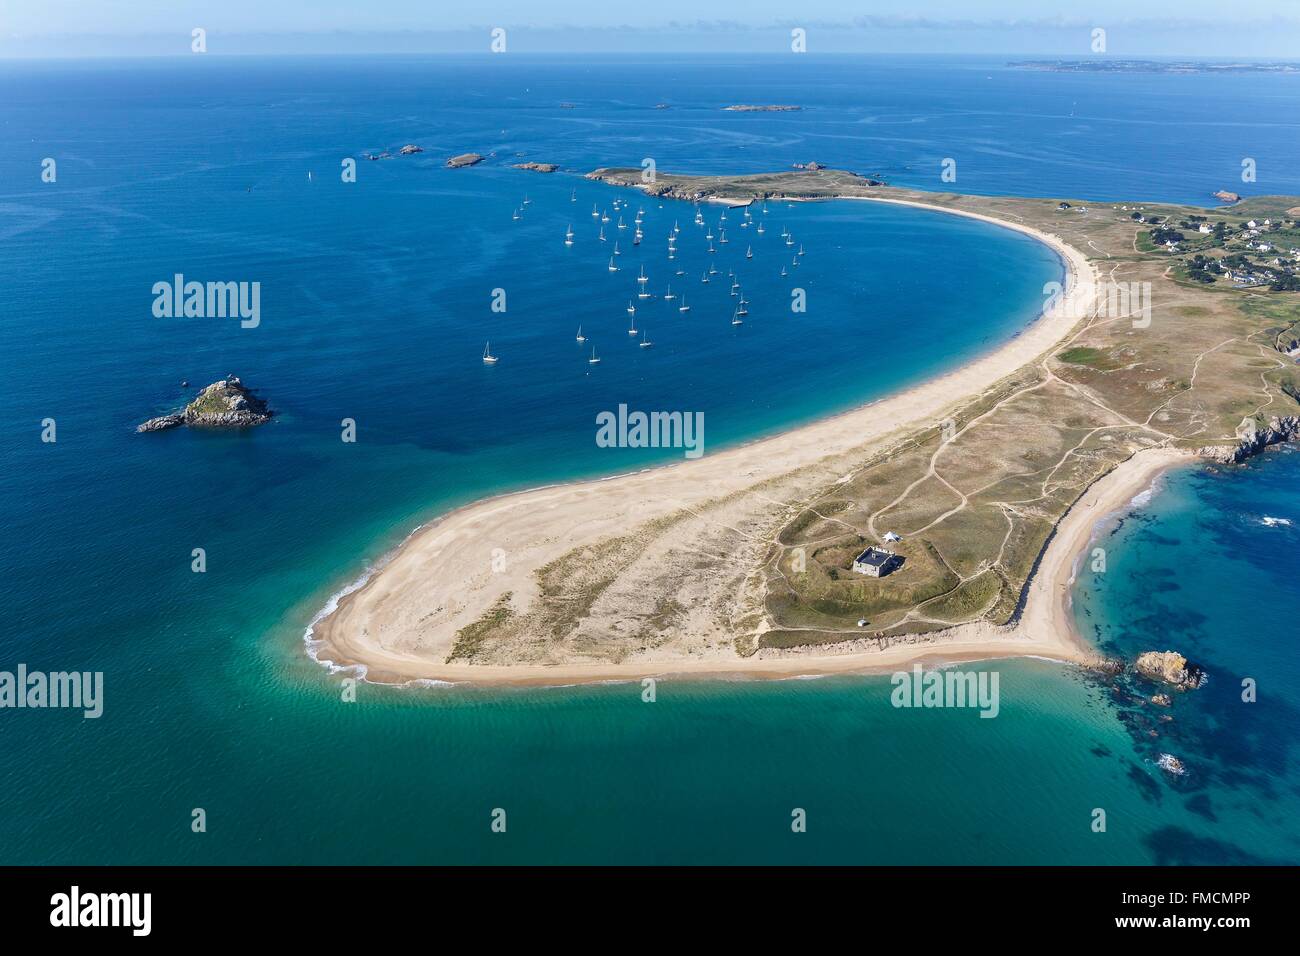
(1193, 28)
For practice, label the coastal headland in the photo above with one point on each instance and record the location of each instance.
(988, 482)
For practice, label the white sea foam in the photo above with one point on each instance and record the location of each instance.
(1271, 522)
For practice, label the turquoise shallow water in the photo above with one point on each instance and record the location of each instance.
(375, 307)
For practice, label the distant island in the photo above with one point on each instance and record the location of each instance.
(1151, 66)
(224, 404)
(744, 108)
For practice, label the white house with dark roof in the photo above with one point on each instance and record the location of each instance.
(875, 562)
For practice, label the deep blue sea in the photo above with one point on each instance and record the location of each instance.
(376, 305)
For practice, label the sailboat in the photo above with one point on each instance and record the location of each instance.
(605, 216)
(711, 249)
(760, 228)
(621, 223)
(749, 253)
(488, 357)
(515, 214)
(632, 329)
(683, 307)
(789, 240)
(593, 360)
(612, 267)
(643, 278)
(783, 272)
(580, 337)
(723, 236)
(602, 234)
(740, 309)
(573, 196)
(736, 319)
(595, 213)
(631, 309)
(568, 236)
(526, 199)
(616, 252)
(670, 294)
(645, 343)
(800, 252)
(704, 278)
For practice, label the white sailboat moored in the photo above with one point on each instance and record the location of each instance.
(488, 357)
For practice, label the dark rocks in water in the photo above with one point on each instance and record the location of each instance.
(538, 167)
(224, 404)
(464, 159)
(409, 149)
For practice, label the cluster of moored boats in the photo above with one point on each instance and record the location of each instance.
(616, 226)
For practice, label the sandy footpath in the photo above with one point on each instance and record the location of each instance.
(402, 623)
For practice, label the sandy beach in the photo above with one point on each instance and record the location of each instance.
(402, 623)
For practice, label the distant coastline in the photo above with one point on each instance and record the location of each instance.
(1103, 65)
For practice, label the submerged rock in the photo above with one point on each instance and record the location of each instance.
(1170, 667)
(1171, 764)
(224, 404)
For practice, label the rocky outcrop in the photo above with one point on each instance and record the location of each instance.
(1251, 440)
(537, 167)
(1224, 196)
(747, 108)
(1170, 667)
(464, 159)
(224, 404)
(410, 149)
(161, 423)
